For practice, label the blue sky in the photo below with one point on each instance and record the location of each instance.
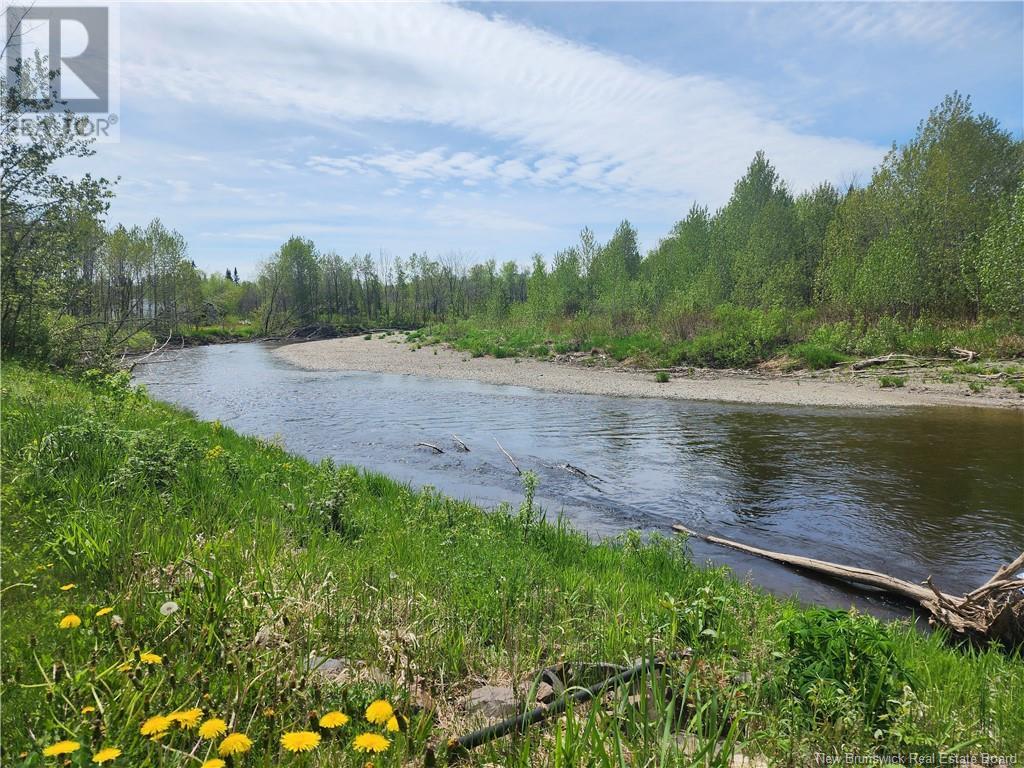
(499, 130)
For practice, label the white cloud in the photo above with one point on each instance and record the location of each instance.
(935, 23)
(571, 114)
(441, 165)
(461, 217)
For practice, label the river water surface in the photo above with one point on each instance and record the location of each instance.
(911, 492)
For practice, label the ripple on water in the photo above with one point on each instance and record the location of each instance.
(911, 491)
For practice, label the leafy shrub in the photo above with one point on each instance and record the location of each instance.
(154, 460)
(836, 659)
(816, 356)
(891, 382)
(841, 336)
(334, 508)
(741, 337)
(661, 377)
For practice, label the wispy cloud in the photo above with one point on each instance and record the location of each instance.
(568, 113)
(937, 24)
(433, 126)
(442, 165)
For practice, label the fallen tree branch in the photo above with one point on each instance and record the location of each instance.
(581, 472)
(509, 457)
(431, 446)
(859, 365)
(993, 611)
(462, 446)
(155, 351)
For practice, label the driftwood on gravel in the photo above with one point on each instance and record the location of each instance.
(995, 610)
(860, 365)
(962, 355)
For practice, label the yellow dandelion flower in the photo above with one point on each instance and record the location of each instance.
(68, 587)
(70, 621)
(156, 724)
(370, 742)
(213, 728)
(392, 725)
(214, 762)
(151, 658)
(105, 755)
(300, 741)
(61, 748)
(88, 710)
(103, 612)
(333, 719)
(234, 744)
(125, 667)
(379, 712)
(187, 718)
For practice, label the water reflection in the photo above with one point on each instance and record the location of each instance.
(913, 492)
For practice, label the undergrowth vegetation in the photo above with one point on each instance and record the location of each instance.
(733, 337)
(161, 575)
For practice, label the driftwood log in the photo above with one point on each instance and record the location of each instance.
(431, 446)
(579, 472)
(462, 446)
(993, 611)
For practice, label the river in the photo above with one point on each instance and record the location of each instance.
(911, 492)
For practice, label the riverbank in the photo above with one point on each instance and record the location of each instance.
(391, 354)
(155, 565)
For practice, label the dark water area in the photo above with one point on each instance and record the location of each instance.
(910, 492)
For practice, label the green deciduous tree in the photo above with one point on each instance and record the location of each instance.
(1000, 260)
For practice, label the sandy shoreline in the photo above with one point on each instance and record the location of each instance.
(391, 355)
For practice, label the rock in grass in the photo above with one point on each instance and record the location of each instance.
(493, 701)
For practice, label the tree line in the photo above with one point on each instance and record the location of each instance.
(936, 232)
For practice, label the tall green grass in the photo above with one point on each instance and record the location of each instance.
(271, 560)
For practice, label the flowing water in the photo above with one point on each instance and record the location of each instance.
(911, 492)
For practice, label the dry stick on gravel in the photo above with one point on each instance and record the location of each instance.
(431, 446)
(993, 611)
(509, 457)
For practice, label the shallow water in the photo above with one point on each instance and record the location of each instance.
(911, 492)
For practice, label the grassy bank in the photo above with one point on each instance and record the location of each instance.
(732, 337)
(205, 568)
